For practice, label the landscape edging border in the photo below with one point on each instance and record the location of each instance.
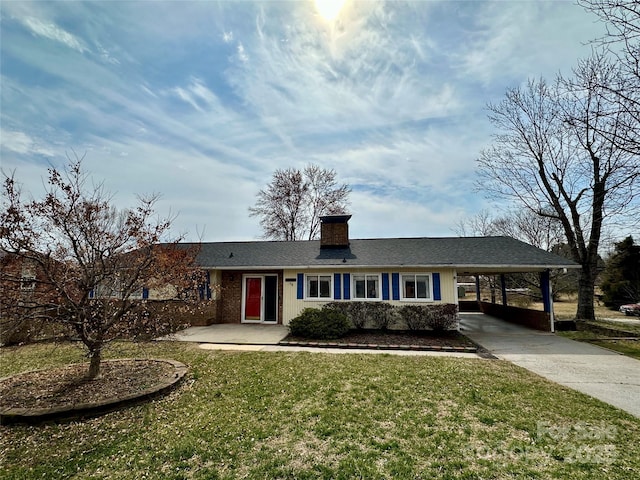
(426, 348)
(37, 415)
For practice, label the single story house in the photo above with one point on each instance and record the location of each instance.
(271, 282)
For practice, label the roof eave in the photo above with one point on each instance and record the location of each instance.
(344, 266)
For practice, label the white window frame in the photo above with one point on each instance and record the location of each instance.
(27, 278)
(365, 299)
(414, 275)
(28, 283)
(318, 298)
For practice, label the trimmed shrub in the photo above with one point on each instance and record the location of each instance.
(345, 308)
(319, 324)
(443, 322)
(365, 314)
(429, 317)
(415, 317)
(443, 317)
(381, 315)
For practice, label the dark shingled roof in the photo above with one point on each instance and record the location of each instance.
(477, 254)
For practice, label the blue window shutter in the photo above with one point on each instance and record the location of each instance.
(347, 286)
(395, 285)
(385, 286)
(544, 283)
(436, 286)
(145, 293)
(336, 286)
(91, 293)
(300, 286)
(208, 285)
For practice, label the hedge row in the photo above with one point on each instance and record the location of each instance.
(337, 318)
(383, 315)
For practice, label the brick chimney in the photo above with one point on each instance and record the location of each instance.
(334, 231)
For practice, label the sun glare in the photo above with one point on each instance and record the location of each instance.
(329, 9)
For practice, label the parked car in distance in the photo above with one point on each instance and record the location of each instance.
(631, 309)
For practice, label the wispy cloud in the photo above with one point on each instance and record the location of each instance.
(512, 40)
(53, 32)
(23, 144)
(203, 100)
(197, 95)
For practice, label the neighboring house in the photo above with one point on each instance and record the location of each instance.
(21, 279)
(26, 299)
(272, 282)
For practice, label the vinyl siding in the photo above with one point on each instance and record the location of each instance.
(292, 306)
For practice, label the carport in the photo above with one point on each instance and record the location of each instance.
(539, 320)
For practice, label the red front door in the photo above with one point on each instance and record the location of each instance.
(253, 299)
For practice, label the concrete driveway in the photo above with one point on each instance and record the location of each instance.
(601, 373)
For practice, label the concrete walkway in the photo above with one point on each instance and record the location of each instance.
(601, 373)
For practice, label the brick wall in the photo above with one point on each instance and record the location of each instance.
(334, 235)
(230, 297)
(522, 316)
(204, 312)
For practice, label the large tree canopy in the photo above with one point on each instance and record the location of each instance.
(291, 205)
(621, 277)
(562, 151)
(86, 261)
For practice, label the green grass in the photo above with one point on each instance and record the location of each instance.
(625, 328)
(630, 348)
(306, 416)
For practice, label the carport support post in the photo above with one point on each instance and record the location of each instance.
(547, 297)
(478, 288)
(503, 286)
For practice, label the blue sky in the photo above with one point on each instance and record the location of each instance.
(202, 101)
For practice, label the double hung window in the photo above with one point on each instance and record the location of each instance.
(318, 286)
(416, 287)
(366, 287)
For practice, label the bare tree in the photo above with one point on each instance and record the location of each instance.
(291, 205)
(556, 149)
(480, 225)
(622, 20)
(88, 262)
(622, 43)
(544, 232)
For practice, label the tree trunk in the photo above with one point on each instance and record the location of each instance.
(585, 295)
(94, 366)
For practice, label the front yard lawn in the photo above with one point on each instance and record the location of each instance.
(310, 415)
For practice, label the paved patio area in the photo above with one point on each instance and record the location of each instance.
(233, 333)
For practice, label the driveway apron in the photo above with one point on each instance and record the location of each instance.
(598, 372)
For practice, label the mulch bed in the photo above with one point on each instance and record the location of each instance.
(392, 340)
(63, 391)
